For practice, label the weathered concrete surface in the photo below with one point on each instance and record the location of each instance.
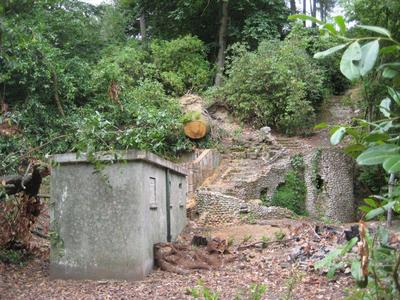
(202, 167)
(329, 177)
(105, 223)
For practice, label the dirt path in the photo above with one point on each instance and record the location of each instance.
(274, 266)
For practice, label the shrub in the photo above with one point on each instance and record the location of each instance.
(182, 64)
(311, 40)
(277, 85)
(150, 120)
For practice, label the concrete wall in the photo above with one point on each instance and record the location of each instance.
(105, 223)
(202, 167)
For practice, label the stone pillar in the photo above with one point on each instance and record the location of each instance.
(329, 177)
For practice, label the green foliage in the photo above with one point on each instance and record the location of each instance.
(45, 61)
(382, 13)
(375, 143)
(372, 177)
(150, 121)
(313, 43)
(201, 291)
(277, 85)
(181, 64)
(250, 21)
(12, 256)
(279, 235)
(254, 292)
(334, 260)
(291, 194)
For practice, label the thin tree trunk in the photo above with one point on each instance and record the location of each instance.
(313, 10)
(305, 10)
(293, 9)
(142, 23)
(321, 10)
(56, 97)
(390, 210)
(222, 43)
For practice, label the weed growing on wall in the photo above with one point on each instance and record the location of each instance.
(292, 193)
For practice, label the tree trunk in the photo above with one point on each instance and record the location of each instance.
(321, 10)
(222, 43)
(392, 179)
(197, 128)
(56, 96)
(313, 10)
(293, 9)
(142, 23)
(304, 10)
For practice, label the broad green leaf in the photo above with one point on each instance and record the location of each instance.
(394, 65)
(350, 61)
(377, 154)
(340, 22)
(392, 164)
(305, 18)
(349, 245)
(337, 137)
(371, 202)
(376, 29)
(321, 125)
(330, 28)
(377, 137)
(375, 212)
(380, 210)
(389, 73)
(355, 147)
(394, 94)
(365, 208)
(356, 271)
(384, 107)
(369, 54)
(329, 51)
(390, 49)
(383, 127)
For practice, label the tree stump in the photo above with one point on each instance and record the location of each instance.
(196, 128)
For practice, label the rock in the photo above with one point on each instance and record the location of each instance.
(266, 136)
(272, 212)
(255, 202)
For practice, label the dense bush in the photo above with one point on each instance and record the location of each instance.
(310, 40)
(149, 120)
(278, 85)
(181, 64)
(123, 101)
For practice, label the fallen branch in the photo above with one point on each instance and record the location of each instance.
(314, 232)
(264, 244)
(39, 234)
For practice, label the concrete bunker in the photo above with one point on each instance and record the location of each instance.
(105, 223)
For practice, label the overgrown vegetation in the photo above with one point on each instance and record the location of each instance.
(292, 192)
(374, 143)
(277, 85)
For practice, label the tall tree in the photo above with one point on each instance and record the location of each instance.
(293, 9)
(222, 41)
